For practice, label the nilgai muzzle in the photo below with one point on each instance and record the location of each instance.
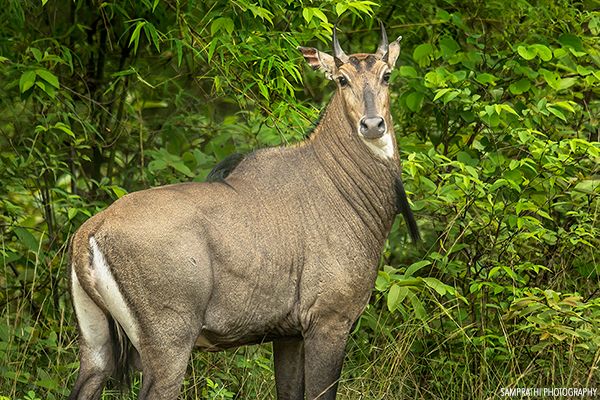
(284, 248)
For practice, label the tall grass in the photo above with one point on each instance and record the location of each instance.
(390, 356)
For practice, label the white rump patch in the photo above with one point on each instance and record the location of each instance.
(93, 324)
(112, 296)
(383, 147)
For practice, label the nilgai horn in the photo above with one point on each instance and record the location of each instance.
(283, 247)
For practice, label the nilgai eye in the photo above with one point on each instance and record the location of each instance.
(343, 81)
(386, 77)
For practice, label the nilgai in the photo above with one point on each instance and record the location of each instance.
(284, 249)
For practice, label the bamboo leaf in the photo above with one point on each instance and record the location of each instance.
(27, 239)
(65, 128)
(436, 285)
(135, 36)
(48, 76)
(557, 113)
(414, 267)
(220, 25)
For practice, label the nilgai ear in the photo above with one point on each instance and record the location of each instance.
(393, 52)
(319, 60)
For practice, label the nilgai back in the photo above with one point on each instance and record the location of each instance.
(284, 249)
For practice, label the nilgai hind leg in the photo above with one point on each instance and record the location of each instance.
(163, 368)
(95, 342)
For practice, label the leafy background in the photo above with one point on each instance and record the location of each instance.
(496, 108)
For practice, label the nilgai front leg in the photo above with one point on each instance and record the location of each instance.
(288, 355)
(324, 347)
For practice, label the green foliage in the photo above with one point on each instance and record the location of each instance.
(497, 113)
(502, 159)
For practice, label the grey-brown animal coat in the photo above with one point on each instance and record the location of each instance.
(284, 249)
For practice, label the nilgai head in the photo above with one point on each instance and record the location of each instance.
(362, 81)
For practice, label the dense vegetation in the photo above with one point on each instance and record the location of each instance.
(497, 113)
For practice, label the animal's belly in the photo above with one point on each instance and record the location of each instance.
(225, 326)
(207, 345)
(209, 341)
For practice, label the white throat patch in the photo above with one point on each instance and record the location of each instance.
(382, 147)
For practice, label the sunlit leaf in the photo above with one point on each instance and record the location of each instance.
(422, 52)
(48, 76)
(135, 35)
(27, 81)
(526, 52)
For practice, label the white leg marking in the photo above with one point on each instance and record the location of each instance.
(383, 147)
(112, 296)
(93, 325)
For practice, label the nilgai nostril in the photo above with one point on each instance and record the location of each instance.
(373, 127)
(280, 245)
